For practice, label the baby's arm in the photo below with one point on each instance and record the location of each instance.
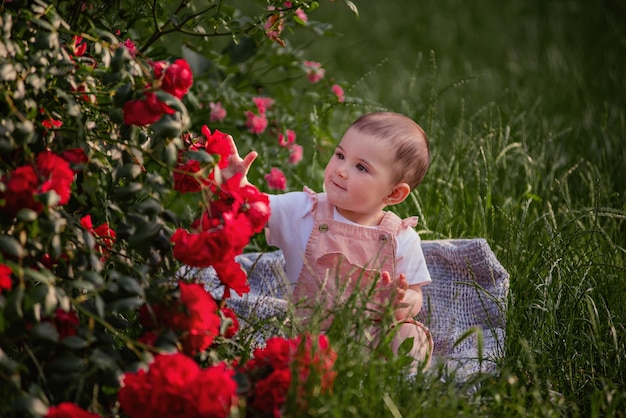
(236, 164)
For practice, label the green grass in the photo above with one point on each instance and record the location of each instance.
(524, 104)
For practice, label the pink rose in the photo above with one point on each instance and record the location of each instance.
(256, 123)
(218, 113)
(276, 179)
(338, 91)
(286, 140)
(314, 71)
(295, 154)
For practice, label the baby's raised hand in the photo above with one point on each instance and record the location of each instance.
(236, 164)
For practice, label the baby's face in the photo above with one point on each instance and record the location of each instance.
(359, 176)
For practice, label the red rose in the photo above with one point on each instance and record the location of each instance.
(50, 173)
(175, 385)
(66, 322)
(106, 237)
(78, 46)
(256, 207)
(317, 357)
(75, 156)
(177, 79)
(270, 394)
(271, 367)
(202, 321)
(247, 199)
(51, 123)
(234, 327)
(104, 234)
(57, 174)
(148, 338)
(20, 187)
(6, 283)
(215, 391)
(194, 317)
(69, 410)
(184, 179)
(202, 249)
(160, 391)
(145, 111)
(232, 276)
(217, 143)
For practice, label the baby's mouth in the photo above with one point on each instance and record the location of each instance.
(336, 185)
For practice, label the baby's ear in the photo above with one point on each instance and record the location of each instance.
(398, 194)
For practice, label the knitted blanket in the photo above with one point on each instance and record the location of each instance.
(464, 306)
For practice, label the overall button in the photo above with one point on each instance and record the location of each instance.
(383, 239)
(323, 228)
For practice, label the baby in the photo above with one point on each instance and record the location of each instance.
(343, 240)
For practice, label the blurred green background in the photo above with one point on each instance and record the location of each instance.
(566, 57)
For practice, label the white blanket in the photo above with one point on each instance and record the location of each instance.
(464, 306)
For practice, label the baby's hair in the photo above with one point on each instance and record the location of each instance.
(412, 152)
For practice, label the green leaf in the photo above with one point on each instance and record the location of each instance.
(13, 306)
(27, 215)
(102, 361)
(123, 93)
(39, 276)
(7, 363)
(201, 156)
(128, 192)
(120, 59)
(75, 342)
(12, 247)
(30, 406)
(83, 285)
(46, 295)
(352, 7)
(125, 304)
(149, 207)
(170, 153)
(146, 231)
(406, 347)
(106, 36)
(99, 302)
(66, 363)
(45, 331)
(241, 51)
(130, 170)
(92, 277)
(131, 285)
(24, 132)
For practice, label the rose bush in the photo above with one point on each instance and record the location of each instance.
(112, 138)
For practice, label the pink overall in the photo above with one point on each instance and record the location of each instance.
(342, 258)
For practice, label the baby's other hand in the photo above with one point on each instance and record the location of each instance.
(398, 288)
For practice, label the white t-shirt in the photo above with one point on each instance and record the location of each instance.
(290, 225)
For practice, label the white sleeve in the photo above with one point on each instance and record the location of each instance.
(289, 228)
(410, 258)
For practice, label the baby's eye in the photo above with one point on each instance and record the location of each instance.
(339, 155)
(361, 167)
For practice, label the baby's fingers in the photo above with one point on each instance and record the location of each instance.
(249, 159)
(385, 278)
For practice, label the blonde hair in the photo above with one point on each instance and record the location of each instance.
(412, 151)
